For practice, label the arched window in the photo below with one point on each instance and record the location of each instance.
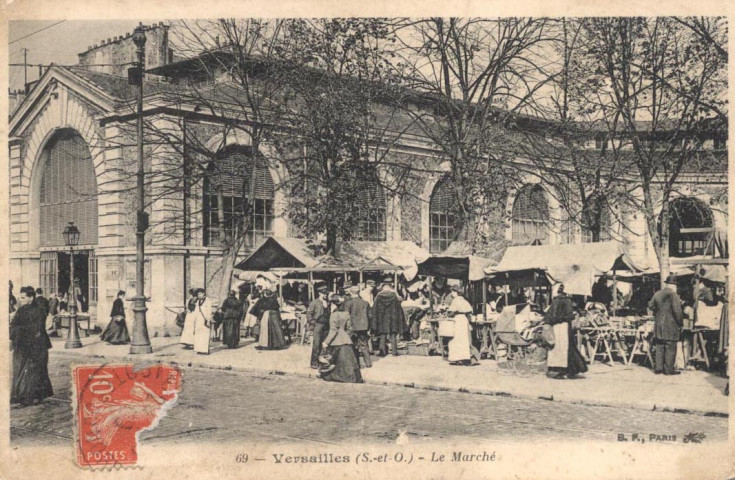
(371, 209)
(444, 223)
(530, 216)
(687, 212)
(68, 193)
(68, 190)
(233, 172)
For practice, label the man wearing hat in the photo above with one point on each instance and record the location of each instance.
(358, 309)
(666, 306)
(318, 316)
(388, 318)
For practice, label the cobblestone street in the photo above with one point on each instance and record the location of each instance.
(223, 405)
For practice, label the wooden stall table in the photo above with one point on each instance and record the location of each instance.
(290, 323)
(63, 320)
(488, 338)
(642, 344)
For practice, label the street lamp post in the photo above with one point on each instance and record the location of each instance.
(71, 240)
(140, 343)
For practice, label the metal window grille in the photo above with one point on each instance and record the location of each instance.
(233, 173)
(371, 214)
(530, 215)
(443, 223)
(68, 190)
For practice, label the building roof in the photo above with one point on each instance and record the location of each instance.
(118, 86)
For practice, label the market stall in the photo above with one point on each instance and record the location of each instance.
(295, 260)
(578, 267)
(459, 263)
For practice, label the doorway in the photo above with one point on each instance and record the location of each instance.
(81, 272)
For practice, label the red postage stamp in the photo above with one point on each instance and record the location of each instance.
(114, 404)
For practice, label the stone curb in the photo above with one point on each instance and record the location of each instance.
(471, 390)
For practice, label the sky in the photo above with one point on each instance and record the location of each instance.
(58, 44)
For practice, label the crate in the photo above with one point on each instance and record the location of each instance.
(421, 350)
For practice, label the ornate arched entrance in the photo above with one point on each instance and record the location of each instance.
(67, 192)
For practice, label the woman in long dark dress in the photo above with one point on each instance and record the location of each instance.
(268, 312)
(344, 366)
(231, 311)
(116, 332)
(30, 344)
(564, 359)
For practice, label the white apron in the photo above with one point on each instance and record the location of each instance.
(558, 356)
(202, 332)
(459, 346)
(263, 340)
(250, 319)
(187, 333)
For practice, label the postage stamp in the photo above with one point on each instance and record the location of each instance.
(113, 404)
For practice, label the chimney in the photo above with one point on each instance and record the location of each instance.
(114, 54)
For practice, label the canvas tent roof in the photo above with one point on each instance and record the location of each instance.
(285, 253)
(279, 252)
(575, 265)
(461, 262)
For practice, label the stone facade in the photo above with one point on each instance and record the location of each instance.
(176, 258)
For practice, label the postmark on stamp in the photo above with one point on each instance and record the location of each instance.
(113, 404)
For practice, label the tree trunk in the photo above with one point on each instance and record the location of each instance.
(331, 239)
(660, 242)
(664, 242)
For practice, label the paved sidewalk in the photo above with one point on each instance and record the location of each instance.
(622, 386)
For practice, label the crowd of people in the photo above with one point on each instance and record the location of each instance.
(359, 321)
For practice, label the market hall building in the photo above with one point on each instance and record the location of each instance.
(73, 158)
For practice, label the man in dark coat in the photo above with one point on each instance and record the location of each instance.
(359, 309)
(666, 306)
(317, 315)
(30, 344)
(388, 318)
(41, 301)
(43, 304)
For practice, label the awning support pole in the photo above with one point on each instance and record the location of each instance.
(615, 292)
(484, 299)
(431, 292)
(280, 288)
(311, 286)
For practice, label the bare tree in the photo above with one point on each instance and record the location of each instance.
(470, 77)
(663, 83)
(568, 142)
